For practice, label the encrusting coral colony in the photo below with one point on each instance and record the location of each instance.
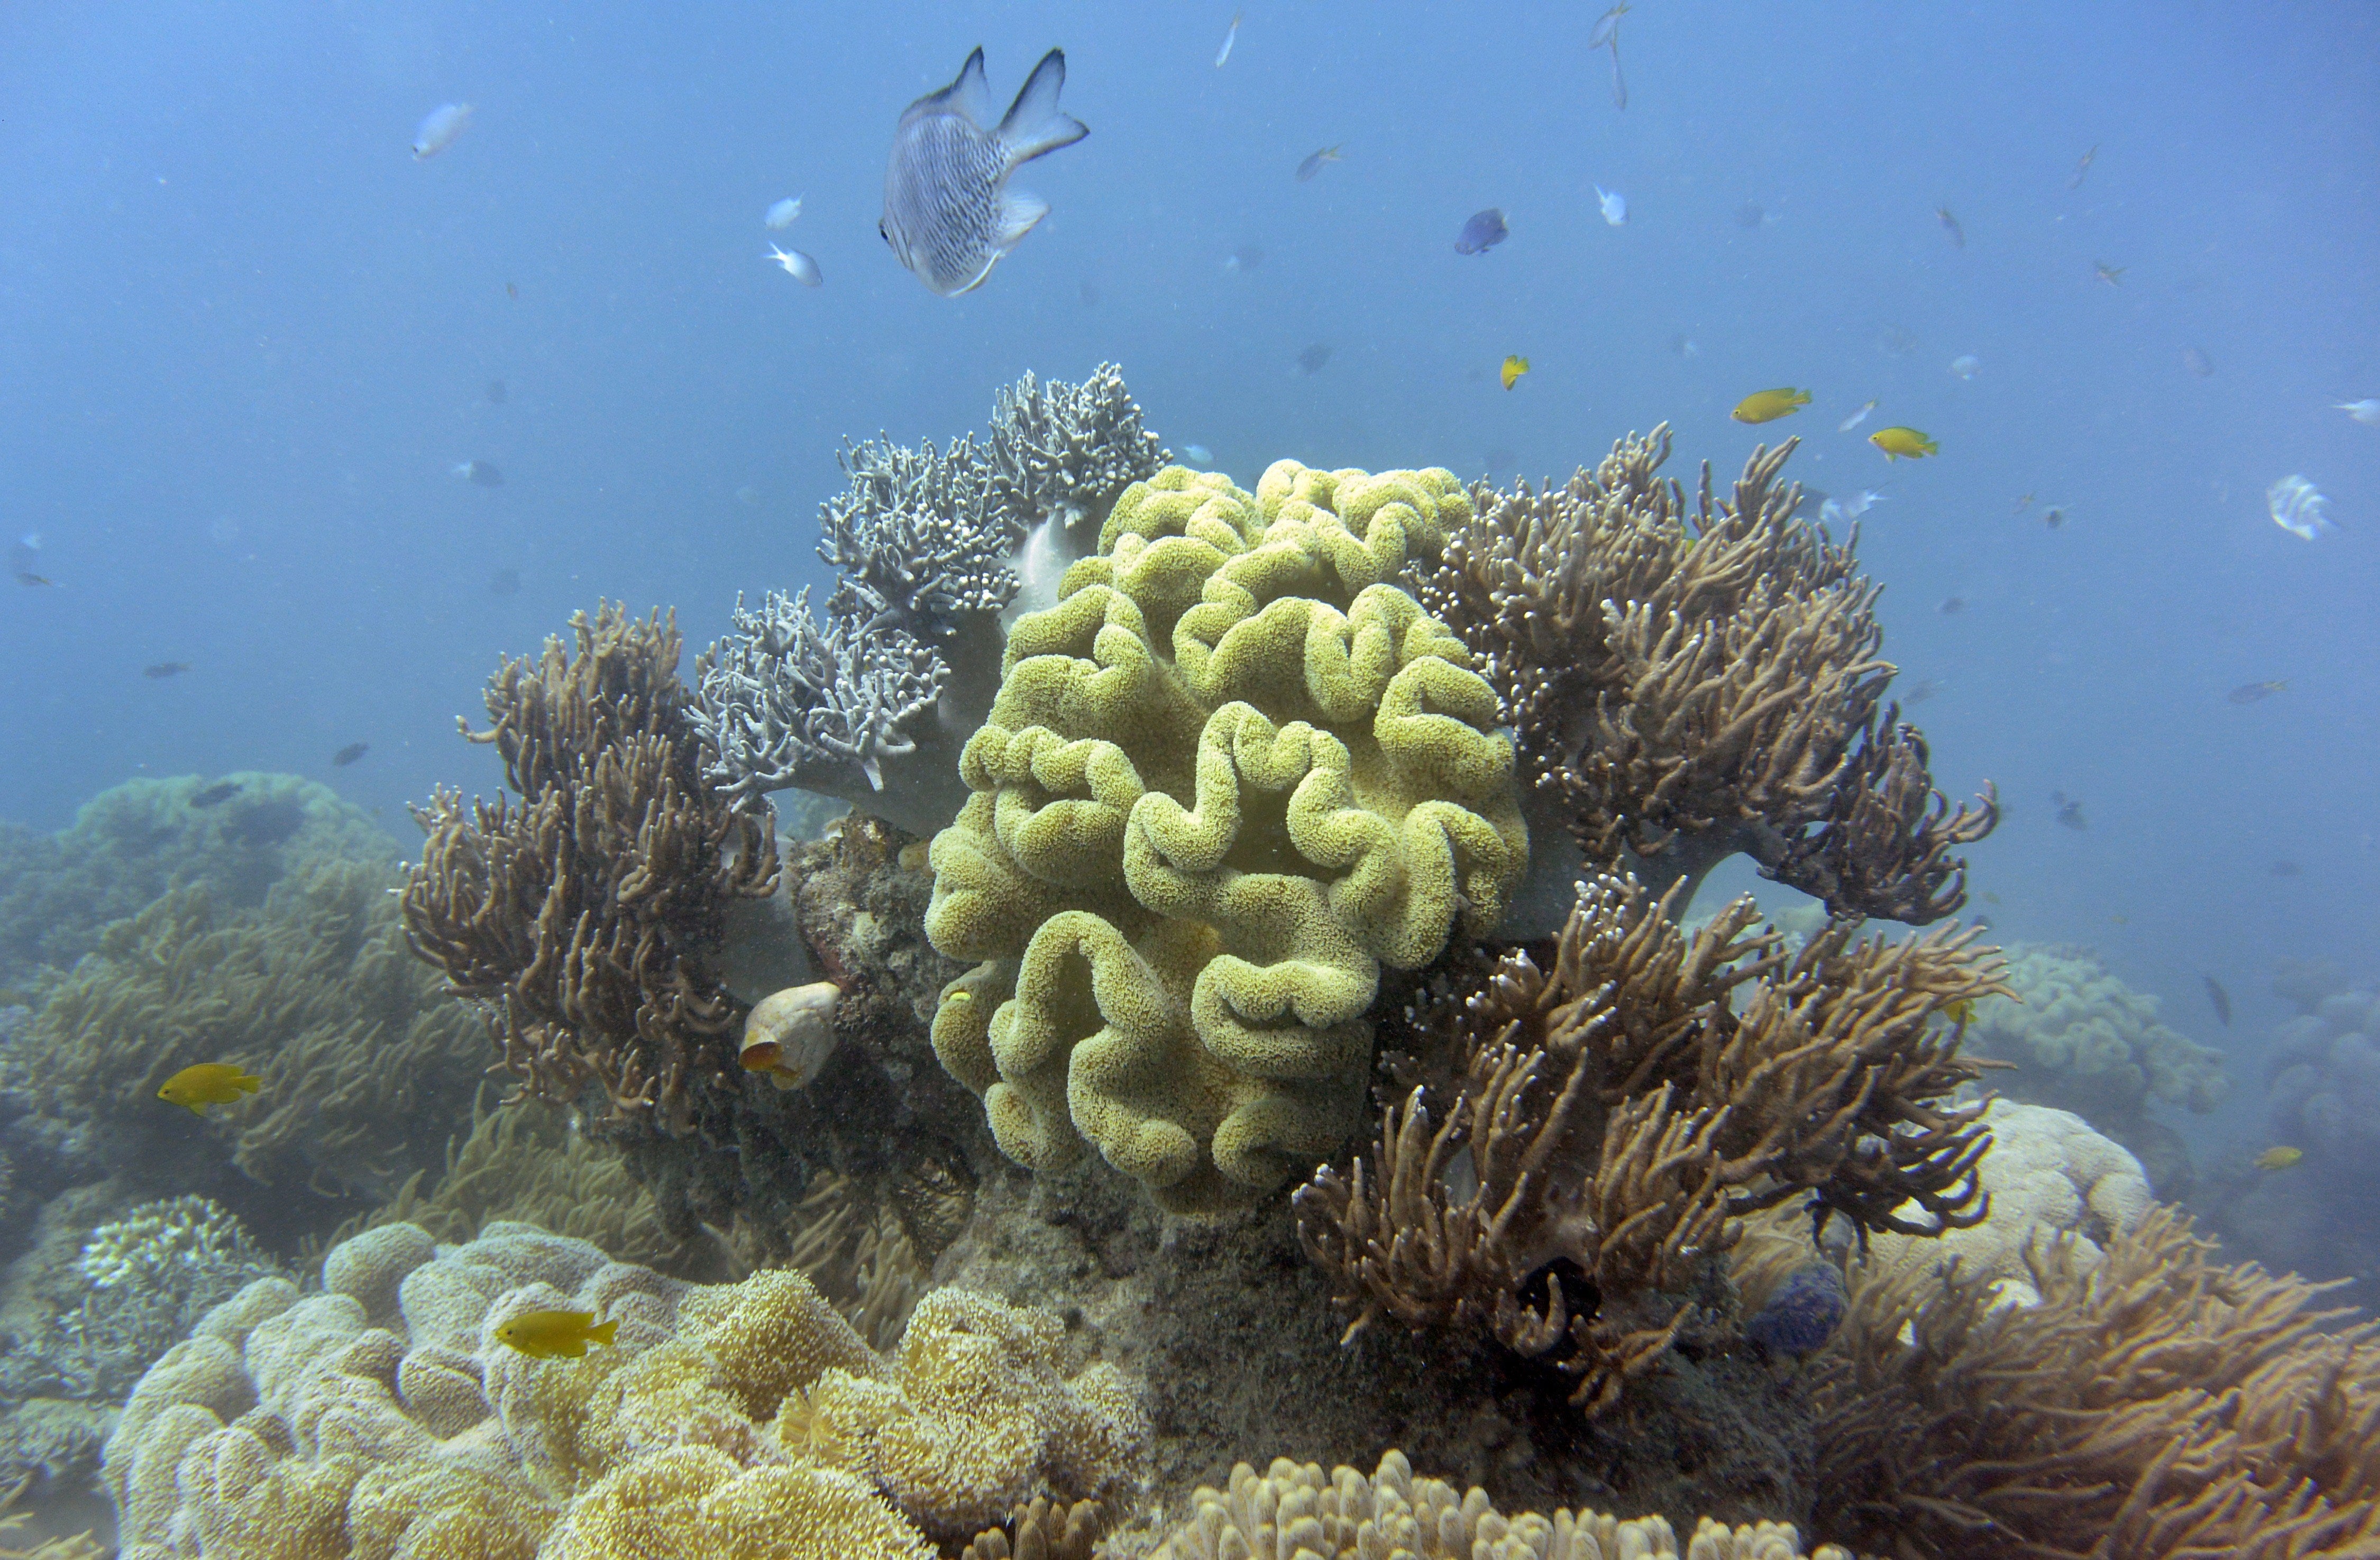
(1249, 1010)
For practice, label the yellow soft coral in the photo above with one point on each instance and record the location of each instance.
(1229, 775)
(381, 1419)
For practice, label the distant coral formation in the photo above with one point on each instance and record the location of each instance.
(930, 545)
(1691, 680)
(2156, 1403)
(1231, 773)
(382, 1417)
(1291, 1511)
(1587, 1134)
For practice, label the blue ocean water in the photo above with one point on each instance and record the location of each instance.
(245, 338)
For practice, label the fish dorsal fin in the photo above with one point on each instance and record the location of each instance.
(967, 94)
(1033, 127)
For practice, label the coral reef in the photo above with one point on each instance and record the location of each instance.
(2153, 1404)
(1687, 682)
(313, 992)
(1608, 1121)
(236, 836)
(1231, 774)
(2083, 1041)
(2321, 1070)
(931, 546)
(133, 1290)
(382, 1417)
(1291, 1510)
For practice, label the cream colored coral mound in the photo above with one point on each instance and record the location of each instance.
(1291, 1512)
(2047, 1173)
(2084, 1041)
(381, 1419)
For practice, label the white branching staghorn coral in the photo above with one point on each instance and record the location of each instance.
(931, 545)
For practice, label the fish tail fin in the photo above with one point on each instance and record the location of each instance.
(602, 1332)
(247, 1082)
(1033, 127)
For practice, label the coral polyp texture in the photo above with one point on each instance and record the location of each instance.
(1232, 772)
(1291, 1511)
(930, 545)
(1587, 1137)
(2154, 1403)
(1691, 681)
(382, 1417)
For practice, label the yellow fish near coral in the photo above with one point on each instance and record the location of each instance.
(1898, 441)
(1515, 366)
(555, 1334)
(2280, 1156)
(1962, 1012)
(1767, 406)
(208, 1083)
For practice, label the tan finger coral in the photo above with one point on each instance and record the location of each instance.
(1291, 1512)
(1229, 775)
(382, 1417)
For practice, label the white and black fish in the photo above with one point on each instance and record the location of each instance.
(949, 213)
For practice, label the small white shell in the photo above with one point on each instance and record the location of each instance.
(790, 1033)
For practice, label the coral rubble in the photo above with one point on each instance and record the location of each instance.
(1607, 1121)
(382, 1417)
(2153, 1404)
(1686, 683)
(930, 545)
(1229, 775)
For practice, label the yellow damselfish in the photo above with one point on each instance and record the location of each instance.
(1962, 1012)
(2280, 1156)
(1514, 368)
(208, 1083)
(1767, 406)
(555, 1334)
(1898, 441)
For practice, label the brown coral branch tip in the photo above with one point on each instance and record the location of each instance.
(582, 916)
(1688, 679)
(1611, 1121)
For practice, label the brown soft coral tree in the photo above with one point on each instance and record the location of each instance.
(1601, 1124)
(1686, 680)
(585, 915)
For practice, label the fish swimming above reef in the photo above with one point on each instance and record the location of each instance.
(1855, 419)
(797, 265)
(1482, 233)
(2280, 1156)
(1897, 442)
(1607, 27)
(2366, 411)
(1952, 606)
(949, 214)
(2249, 693)
(2298, 507)
(439, 129)
(2219, 999)
(208, 1083)
(1230, 36)
(2112, 275)
(1767, 406)
(2070, 811)
(1248, 257)
(1957, 234)
(555, 1334)
(2054, 516)
(1833, 511)
(1313, 358)
(165, 669)
(1315, 161)
(479, 473)
(1515, 366)
(349, 753)
(780, 216)
(1197, 454)
(2082, 169)
(214, 796)
(1613, 205)
(25, 560)
(1966, 366)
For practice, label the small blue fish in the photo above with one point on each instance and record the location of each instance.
(1197, 454)
(797, 265)
(1802, 1314)
(1482, 233)
(949, 213)
(781, 215)
(439, 129)
(1614, 205)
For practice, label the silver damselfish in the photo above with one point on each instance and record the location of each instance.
(949, 213)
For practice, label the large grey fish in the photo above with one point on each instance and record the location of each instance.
(949, 213)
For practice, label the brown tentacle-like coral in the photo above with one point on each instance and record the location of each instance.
(583, 915)
(1614, 1117)
(1689, 680)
